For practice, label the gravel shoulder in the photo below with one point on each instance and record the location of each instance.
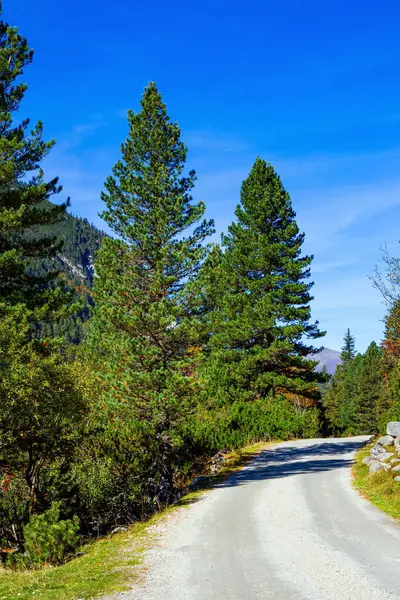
(288, 525)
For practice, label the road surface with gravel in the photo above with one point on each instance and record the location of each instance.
(287, 526)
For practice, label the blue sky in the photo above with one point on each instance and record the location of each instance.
(310, 86)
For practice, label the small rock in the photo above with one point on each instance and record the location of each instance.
(397, 478)
(384, 456)
(119, 529)
(396, 469)
(386, 440)
(366, 460)
(394, 461)
(376, 465)
(377, 449)
(397, 442)
(393, 428)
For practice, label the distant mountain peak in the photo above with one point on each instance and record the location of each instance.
(327, 358)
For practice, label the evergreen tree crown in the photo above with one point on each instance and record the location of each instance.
(23, 191)
(349, 347)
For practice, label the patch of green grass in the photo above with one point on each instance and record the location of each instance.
(379, 488)
(110, 564)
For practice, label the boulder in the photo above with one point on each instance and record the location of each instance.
(397, 442)
(376, 465)
(366, 460)
(377, 449)
(384, 456)
(394, 461)
(393, 428)
(385, 441)
(396, 469)
(397, 478)
(118, 530)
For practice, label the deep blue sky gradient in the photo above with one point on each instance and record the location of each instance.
(312, 87)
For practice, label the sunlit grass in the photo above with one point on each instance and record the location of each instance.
(113, 563)
(108, 564)
(379, 488)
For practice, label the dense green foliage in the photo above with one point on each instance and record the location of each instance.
(49, 539)
(41, 398)
(257, 299)
(355, 395)
(23, 190)
(141, 333)
(364, 393)
(79, 243)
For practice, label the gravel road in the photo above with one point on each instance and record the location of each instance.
(287, 526)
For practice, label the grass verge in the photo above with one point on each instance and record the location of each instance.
(110, 564)
(379, 488)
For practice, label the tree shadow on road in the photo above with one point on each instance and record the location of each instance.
(285, 461)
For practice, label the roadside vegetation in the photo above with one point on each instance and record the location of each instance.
(113, 563)
(363, 395)
(379, 488)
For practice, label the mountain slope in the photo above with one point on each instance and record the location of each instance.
(81, 242)
(327, 358)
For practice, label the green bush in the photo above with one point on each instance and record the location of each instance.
(49, 539)
(14, 510)
(241, 423)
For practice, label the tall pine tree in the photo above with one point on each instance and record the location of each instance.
(339, 408)
(23, 190)
(142, 321)
(349, 347)
(371, 391)
(261, 325)
(350, 401)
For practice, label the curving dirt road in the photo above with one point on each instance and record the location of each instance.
(287, 526)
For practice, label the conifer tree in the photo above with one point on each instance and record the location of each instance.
(371, 391)
(339, 410)
(23, 190)
(141, 328)
(262, 319)
(349, 347)
(352, 373)
(333, 400)
(388, 406)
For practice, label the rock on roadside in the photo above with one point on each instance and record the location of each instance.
(385, 441)
(376, 465)
(393, 428)
(380, 458)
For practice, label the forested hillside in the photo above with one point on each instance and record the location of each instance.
(80, 244)
(74, 262)
(363, 394)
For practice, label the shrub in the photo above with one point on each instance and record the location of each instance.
(241, 423)
(14, 510)
(49, 539)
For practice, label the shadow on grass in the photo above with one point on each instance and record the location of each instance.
(191, 498)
